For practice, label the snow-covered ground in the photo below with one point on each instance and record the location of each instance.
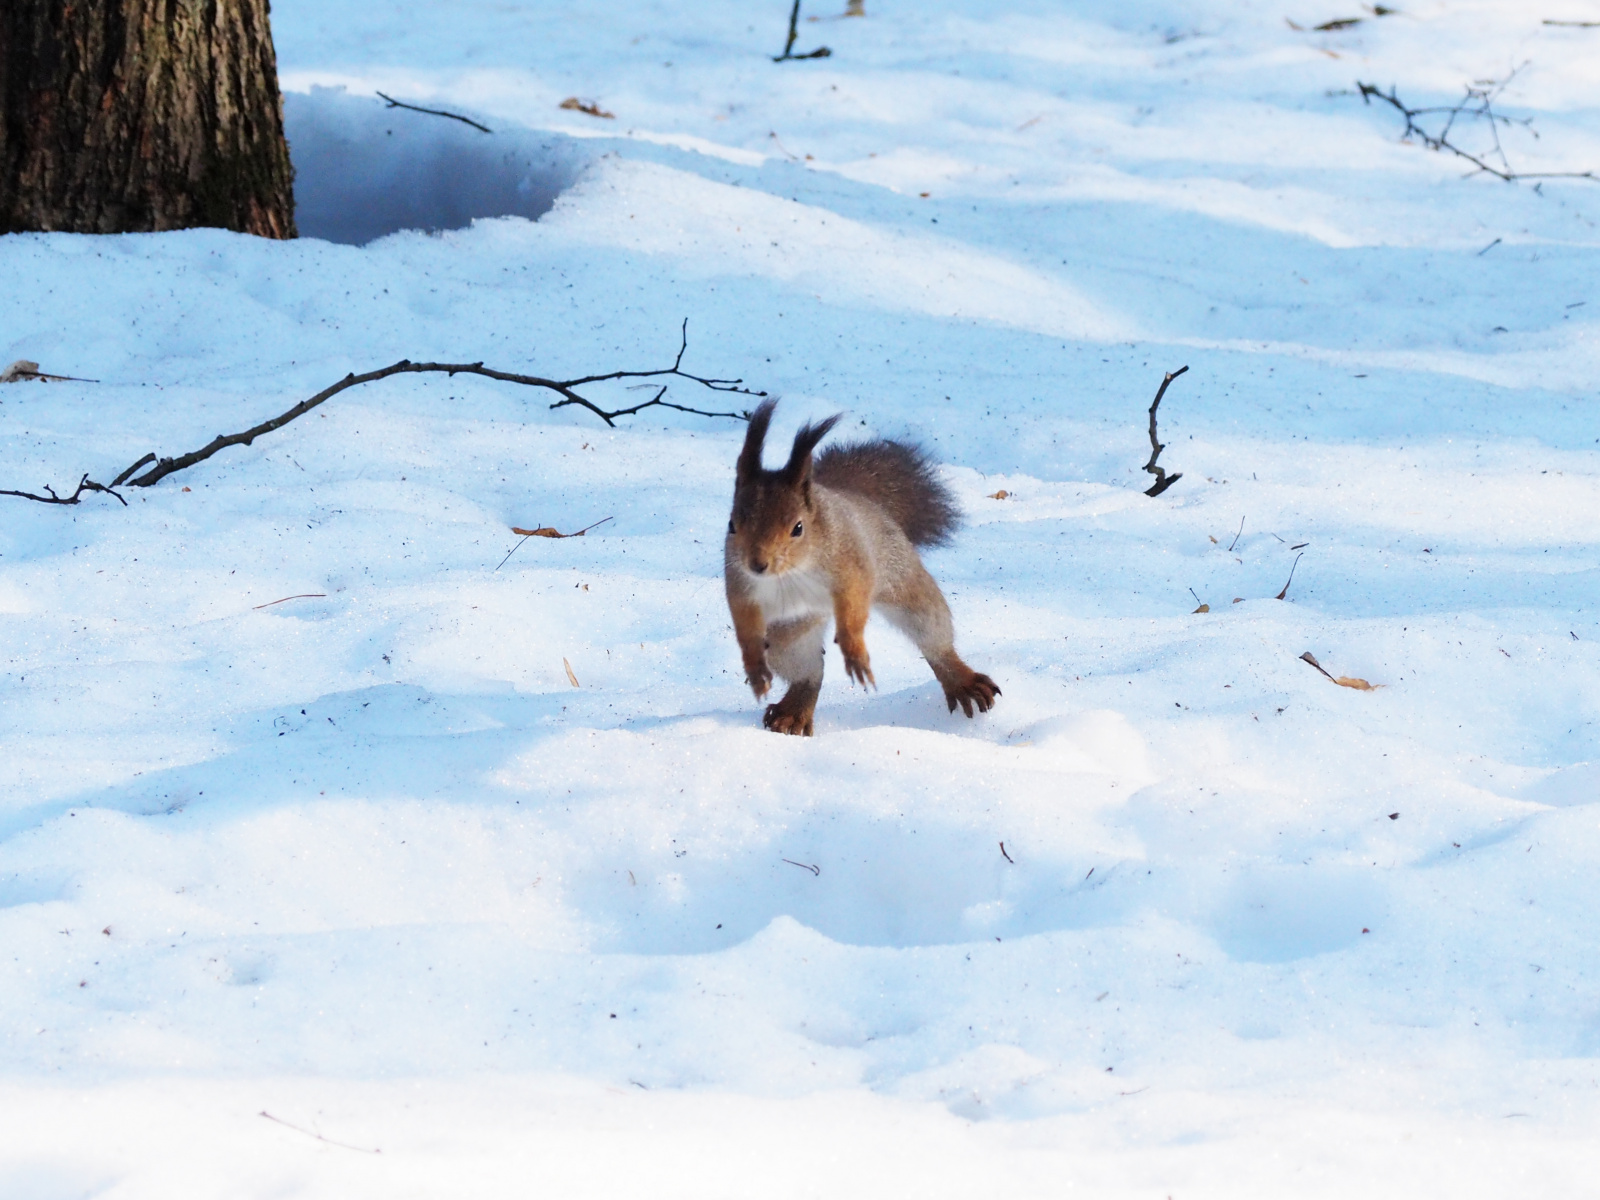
(368, 862)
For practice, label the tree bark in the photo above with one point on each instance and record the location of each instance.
(126, 116)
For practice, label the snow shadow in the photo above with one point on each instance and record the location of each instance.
(363, 169)
(1279, 914)
(388, 740)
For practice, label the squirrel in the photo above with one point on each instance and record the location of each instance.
(836, 537)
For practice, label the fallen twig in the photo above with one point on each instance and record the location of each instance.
(1284, 594)
(1008, 857)
(318, 1136)
(1478, 105)
(794, 32)
(815, 870)
(435, 112)
(84, 485)
(1163, 480)
(297, 596)
(1574, 24)
(1236, 538)
(565, 388)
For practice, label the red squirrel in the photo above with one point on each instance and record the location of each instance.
(833, 538)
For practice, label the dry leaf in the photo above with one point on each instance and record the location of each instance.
(1238, 599)
(21, 369)
(1214, 541)
(1002, 494)
(1360, 685)
(587, 106)
(550, 531)
(1203, 608)
(571, 678)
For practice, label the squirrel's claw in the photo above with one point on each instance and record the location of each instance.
(979, 690)
(760, 681)
(860, 671)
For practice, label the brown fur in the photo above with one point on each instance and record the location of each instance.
(836, 539)
(899, 479)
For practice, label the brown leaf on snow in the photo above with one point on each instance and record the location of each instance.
(1002, 494)
(1203, 608)
(571, 678)
(587, 106)
(1360, 685)
(550, 531)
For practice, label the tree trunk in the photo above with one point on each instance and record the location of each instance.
(126, 116)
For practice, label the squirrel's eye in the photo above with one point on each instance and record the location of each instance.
(730, 526)
(799, 528)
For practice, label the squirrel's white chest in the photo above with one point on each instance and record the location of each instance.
(793, 595)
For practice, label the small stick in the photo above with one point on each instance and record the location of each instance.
(1281, 595)
(1574, 24)
(804, 866)
(1163, 480)
(1008, 857)
(1235, 541)
(435, 112)
(300, 596)
(1489, 247)
(318, 1136)
(794, 32)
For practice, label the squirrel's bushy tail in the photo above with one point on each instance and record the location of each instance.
(898, 478)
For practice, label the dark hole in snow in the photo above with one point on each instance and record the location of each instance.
(363, 170)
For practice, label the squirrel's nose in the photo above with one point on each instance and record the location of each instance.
(760, 568)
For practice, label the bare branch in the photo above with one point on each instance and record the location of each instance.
(435, 112)
(1476, 105)
(563, 388)
(1163, 480)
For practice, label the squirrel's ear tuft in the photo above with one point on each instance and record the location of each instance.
(755, 437)
(798, 468)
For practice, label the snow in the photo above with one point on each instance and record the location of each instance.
(366, 861)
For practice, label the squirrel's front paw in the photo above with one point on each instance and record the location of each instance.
(760, 679)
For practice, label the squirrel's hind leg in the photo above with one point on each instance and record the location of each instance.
(918, 609)
(795, 652)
